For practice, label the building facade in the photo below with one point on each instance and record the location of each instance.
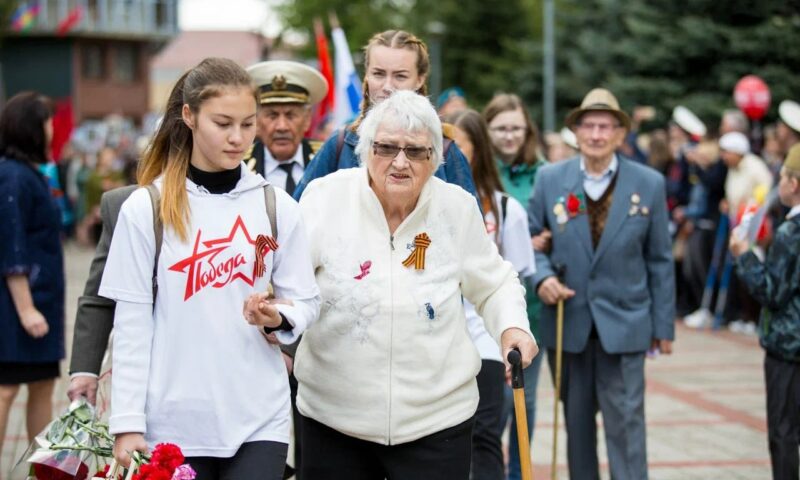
(92, 54)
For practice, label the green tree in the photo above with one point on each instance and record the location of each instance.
(481, 45)
(360, 19)
(666, 53)
(648, 52)
(7, 9)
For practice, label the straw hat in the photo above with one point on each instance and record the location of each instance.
(598, 100)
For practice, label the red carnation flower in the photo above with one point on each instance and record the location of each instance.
(573, 205)
(167, 455)
(152, 471)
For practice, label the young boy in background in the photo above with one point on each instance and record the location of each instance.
(775, 283)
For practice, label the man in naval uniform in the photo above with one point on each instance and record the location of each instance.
(287, 91)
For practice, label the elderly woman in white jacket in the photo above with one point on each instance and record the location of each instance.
(387, 374)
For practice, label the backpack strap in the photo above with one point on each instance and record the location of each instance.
(269, 202)
(158, 231)
(503, 209)
(340, 141)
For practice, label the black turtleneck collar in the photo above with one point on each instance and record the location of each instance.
(216, 182)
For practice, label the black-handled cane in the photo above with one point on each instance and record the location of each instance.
(518, 386)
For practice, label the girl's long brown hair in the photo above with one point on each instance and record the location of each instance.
(393, 39)
(484, 168)
(504, 102)
(171, 149)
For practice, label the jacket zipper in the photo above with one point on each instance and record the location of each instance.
(391, 336)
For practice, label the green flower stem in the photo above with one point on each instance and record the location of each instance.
(101, 451)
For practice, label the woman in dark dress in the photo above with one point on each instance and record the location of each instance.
(31, 263)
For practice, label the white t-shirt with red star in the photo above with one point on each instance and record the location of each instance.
(192, 371)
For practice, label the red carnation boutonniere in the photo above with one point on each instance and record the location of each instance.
(575, 205)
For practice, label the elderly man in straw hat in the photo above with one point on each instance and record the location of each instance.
(608, 217)
(287, 91)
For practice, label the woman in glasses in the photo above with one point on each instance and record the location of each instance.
(387, 373)
(515, 141)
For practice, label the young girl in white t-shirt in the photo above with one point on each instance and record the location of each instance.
(189, 368)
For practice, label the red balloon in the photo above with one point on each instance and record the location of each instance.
(752, 97)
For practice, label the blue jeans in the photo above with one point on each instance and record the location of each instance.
(531, 378)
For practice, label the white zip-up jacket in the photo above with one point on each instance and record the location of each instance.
(390, 359)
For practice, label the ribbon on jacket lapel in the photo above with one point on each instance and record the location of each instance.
(417, 257)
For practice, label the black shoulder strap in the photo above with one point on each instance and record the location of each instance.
(269, 202)
(340, 142)
(503, 209)
(158, 231)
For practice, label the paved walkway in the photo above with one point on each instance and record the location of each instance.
(705, 405)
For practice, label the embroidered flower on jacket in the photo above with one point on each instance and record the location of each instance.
(364, 270)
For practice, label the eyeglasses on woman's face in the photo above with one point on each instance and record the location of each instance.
(415, 153)
(508, 130)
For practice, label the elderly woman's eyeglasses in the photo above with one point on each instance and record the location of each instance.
(413, 152)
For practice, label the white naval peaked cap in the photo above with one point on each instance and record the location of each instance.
(789, 111)
(284, 81)
(569, 137)
(688, 121)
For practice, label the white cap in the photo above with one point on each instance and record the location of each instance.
(284, 81)
(569, 137)
(789, 111)
(688, 121)
(735, 142)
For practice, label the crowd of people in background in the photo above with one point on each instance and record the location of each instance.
(714, 179)
(712, 173)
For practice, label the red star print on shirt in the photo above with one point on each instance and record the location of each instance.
(211, 267)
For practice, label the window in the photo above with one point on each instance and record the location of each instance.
(125, 63)
(93, 65)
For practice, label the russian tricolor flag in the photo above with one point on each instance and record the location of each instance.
(348, 85)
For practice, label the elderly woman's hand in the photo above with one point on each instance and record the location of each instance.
(259, 309)
(520, 339)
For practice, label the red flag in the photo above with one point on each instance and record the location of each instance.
(62, 127)
(325, 108)
(70, 21)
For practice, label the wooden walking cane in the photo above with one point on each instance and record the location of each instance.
(560, 270)
(518, 385)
